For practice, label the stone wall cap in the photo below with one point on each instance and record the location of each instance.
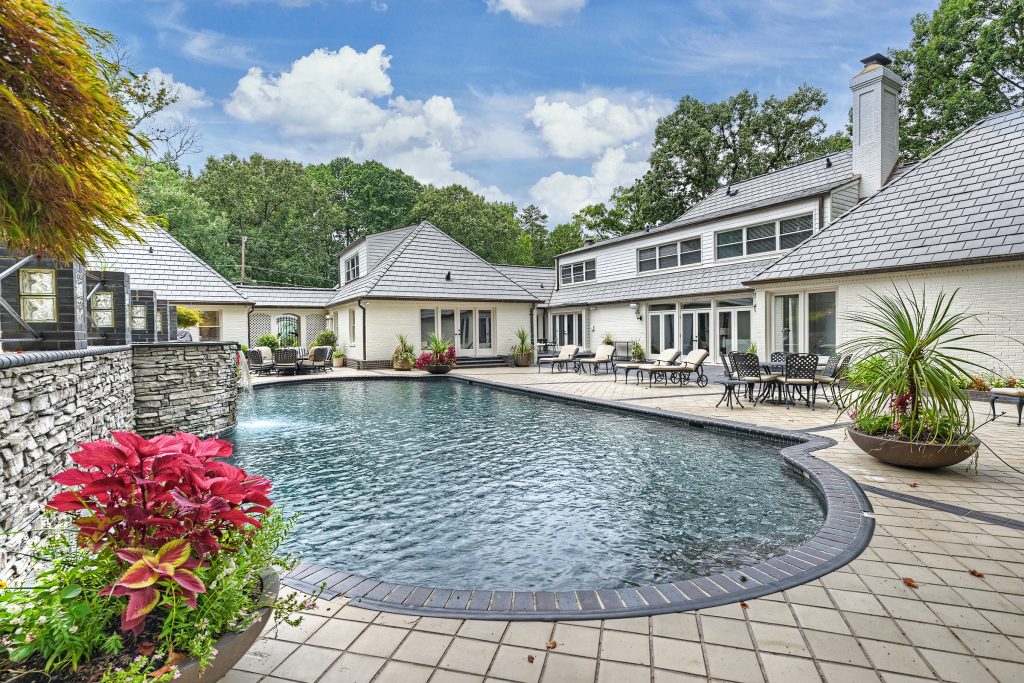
(15, 360)
(178, 344)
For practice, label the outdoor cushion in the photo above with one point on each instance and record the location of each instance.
(603, 354)
(1008, 391)
(799, 381)
(567, 352)
(762, 378)
(695, 357)
(824, 379)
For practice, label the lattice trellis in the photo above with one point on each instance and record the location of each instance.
(315, 324)
(259, 325)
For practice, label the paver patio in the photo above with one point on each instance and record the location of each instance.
(860, 623)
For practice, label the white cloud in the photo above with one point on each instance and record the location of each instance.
(562, 194)
(576, 128)
(189, 98)
(341, 101)
(537, 11)
(202, 45)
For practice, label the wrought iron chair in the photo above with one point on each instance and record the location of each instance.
(829, 376)
(749, 370)
(801, 369)
(779, 356)
(258, 363)
(565, 356)
(602, 356)
(286, 360)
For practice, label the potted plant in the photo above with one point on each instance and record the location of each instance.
(338, 358)
(404, 356)
(522, 350)
(326, 338)
(608, 339)
(167, 567)
(905, 390)
(438, 356)
(637, 353)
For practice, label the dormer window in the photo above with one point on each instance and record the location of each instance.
(683, 253)
(352, 268)
(578, 272)
(764, 238)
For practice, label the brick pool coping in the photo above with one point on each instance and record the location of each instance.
(846, 532)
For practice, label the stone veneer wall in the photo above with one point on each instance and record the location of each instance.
(49, 402)
(185, 387)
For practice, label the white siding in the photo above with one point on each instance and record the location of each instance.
(617, 261)
(616, 320)
(306, 331)
(234, 321)
(352, 346)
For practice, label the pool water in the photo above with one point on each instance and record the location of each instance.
(443, 483)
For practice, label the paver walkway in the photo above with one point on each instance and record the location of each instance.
(860, 623)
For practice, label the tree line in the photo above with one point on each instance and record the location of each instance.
(964, 62)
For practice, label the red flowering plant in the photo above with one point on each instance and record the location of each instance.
(165, 523)
(437, 351)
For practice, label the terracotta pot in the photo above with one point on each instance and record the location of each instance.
(438, 369)
(913, 453)
(233, 646)
(401, 365)
(338, 362)
(523, 361)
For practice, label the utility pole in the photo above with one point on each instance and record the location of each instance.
(242, 278)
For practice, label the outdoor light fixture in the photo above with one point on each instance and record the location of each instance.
(38, 295)
(636, 311)
(448, 276)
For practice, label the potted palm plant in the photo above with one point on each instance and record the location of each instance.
(438, 356)
(637, 353)
(404, 356)
(905, 389)
(338, 358)
(522, 350)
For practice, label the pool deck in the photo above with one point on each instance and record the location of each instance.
(862, 622)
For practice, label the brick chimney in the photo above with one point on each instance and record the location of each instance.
(876, 123)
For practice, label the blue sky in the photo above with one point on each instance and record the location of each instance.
(546, 101)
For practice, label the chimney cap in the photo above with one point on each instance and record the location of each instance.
(877, 58)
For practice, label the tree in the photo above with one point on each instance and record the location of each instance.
(365, 198)
(64, 140)
(965, 61)
(488, 228)
(534, 223)
(701, 146)
(273, 203)
(565, 237)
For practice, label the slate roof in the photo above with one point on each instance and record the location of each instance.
(288, 297)
(720, 279)
(963, 203)
(164, 265)
(807, 179)
(537, 280)
(418, 268)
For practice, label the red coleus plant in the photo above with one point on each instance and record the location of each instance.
(431, 358)
(162, 504)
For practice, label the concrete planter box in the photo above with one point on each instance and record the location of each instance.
(233, 646)
(912, 453)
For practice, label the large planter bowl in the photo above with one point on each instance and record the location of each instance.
(401, 365)
(233, 646)
(523, 361)
(912, 453)
(437, 369)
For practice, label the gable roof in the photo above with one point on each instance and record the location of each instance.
(419, 268)
(963, 203)
(288, 297)
(715, 279)
(163, 264)
(537, 280)
(806, 179)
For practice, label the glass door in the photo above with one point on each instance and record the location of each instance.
(467, 338)
(567, 328)
(696, 331)
(733, 332)
(662, 328)
(485, 331)
(725, 332)
(448, 324)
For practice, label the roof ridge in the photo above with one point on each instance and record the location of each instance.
(392, 256)
(477, 256)
(914, 169)
(779, 170)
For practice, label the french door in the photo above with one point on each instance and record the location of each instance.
(662, 328)
(733, 331)
(567, 328)
(696, 333)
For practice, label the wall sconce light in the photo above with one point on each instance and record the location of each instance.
(635, 308)
(38, 290)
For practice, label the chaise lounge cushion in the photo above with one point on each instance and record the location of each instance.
(1008, 391)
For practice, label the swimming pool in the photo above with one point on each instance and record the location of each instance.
(444, 483)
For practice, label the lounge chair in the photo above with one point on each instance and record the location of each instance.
(678, 372)
(1009, 393)
(603, 356)
(260, 363)
(666, 357)
(286, 360)
(565, 356)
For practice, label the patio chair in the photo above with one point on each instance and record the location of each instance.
(666, 357)
(566, 355)
(749, 370)
(603, 356)
(830, 375)
(801, 369)
(317, 359)
(678, 372)
(258, 363)
(286, 360)
(779, 356)
(1015, 394)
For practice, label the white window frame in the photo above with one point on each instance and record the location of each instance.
(351, 327)
(679, 251)
(746, 239)
(352, 268)
(803, 344)
(580, 271)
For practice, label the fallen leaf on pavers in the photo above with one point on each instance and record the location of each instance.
(529, 658)
(145, 649)
(913, 484)
(975, 572)
(744, 605)
(552, 645)
(910, 582)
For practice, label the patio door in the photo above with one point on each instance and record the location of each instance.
(567, 328)
(696, 332)
(466, 335)
(733, 331)
(662, 327)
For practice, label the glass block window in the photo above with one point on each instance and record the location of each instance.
(139, 316)
(38, 295)
(102, 305)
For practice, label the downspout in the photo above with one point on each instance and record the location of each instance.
(359, 303)
(248, 323)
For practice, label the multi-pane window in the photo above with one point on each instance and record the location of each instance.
(681, 253)
(352, 326)
(578, 272)
(763, 237)
(209, 326)
(352, 268)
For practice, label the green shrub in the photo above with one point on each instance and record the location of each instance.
(608, 339)
(288, 341)
(270, 340)
(326, 338)
(188, 317)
